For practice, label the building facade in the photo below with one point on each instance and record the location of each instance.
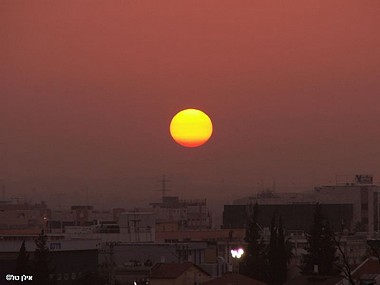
(353, 205)
(187, 214)
(70, 260)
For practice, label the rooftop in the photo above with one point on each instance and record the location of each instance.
(233, 279)
(171, 270)
(314, 280)
(371, 266)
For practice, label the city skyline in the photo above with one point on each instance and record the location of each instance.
(88, 92)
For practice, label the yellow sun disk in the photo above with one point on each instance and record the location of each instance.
(191, 128)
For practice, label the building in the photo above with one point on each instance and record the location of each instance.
(315, 280)
(219, 243)
(353, 205)
(140, 226)
(219, 235)
(362, 194)
(368, 272)
(233, 279)
(70, 259)
(177, 274)
(133, 261)
(132, 227)
(187, 214)
(295, 216)
(23, 215)
(80, 216)
(139, 253)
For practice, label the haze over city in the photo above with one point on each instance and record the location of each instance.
(88, 89)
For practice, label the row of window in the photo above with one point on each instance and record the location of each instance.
(66, 276)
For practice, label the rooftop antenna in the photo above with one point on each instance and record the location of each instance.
(163, 183)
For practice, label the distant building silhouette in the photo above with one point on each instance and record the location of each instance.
(182, 214)
(353, 205)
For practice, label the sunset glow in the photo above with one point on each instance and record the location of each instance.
(191, 128)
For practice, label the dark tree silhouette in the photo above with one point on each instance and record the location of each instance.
(279, 254)
(254, 262)
(344, 266)
(272, 254)
(41, 262)
(22, 262)
(284, 250)
(321, 248)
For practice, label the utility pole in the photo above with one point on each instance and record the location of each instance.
(136, 226)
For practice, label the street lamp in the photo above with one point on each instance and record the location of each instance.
(236, 255)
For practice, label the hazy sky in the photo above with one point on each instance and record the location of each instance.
(88, 89)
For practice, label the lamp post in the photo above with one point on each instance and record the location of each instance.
(236, 255)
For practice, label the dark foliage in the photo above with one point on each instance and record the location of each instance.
(41, 262)
(254, 263)
(279, 254)
(267, 263)
(344, 267)
(321, 248)
(22, 262)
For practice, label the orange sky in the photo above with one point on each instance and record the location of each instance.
(88, 89)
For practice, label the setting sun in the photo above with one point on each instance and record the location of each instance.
(191, 128)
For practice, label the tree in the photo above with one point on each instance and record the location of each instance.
(284, 250)
(272, 254)
(321, 248)
(254, 263)
(41, 267)
(22, 262)
(344, 267)
(279, 254)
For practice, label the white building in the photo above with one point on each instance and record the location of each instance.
(188, 214)
(140, 226)
(362, 193)
(133, 227)
(358, 191)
